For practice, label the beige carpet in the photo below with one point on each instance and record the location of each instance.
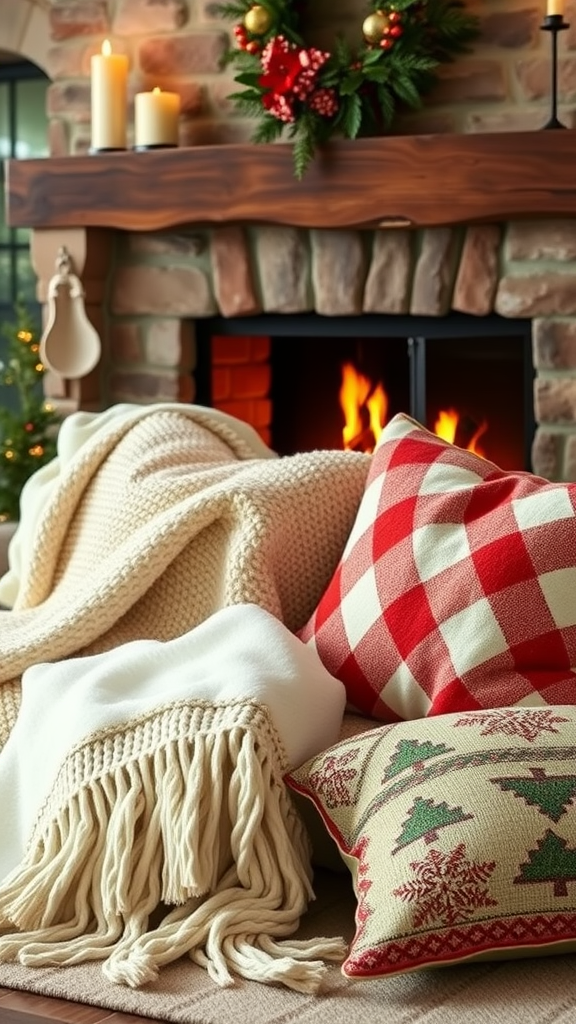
(534, 991)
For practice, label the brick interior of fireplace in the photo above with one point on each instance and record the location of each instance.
(482, 367)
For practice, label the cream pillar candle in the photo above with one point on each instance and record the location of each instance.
(156, 119)
(555, 7)
(109, 88)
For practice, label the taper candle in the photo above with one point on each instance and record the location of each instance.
(555, 7)
(156, 119)
(109, 78)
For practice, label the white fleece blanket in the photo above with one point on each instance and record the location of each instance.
(241, 653)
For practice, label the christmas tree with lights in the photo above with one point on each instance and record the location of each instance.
(29, 426)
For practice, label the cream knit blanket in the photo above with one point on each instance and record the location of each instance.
(150, 521)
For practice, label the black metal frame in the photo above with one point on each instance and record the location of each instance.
(418, 330)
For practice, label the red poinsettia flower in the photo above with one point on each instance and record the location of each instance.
(282, 66)
(290, 74)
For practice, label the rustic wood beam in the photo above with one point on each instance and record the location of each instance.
(417, 180)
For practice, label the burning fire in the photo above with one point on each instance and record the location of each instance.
(447, 425)
(365, 408)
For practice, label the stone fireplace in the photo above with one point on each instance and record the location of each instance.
(451, 233)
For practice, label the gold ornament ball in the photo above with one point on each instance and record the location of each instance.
(374, 26)
(257, 20)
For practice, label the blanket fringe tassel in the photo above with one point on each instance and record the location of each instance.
(192, 848)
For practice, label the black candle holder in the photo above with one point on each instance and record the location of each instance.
(554, 23)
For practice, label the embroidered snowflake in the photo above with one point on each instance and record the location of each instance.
(447, 887)
(331, 781)
(528, 723)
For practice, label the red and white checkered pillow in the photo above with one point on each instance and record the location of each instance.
(457, 587)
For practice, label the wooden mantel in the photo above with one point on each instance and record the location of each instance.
(423, 180)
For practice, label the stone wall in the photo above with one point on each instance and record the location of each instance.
(501, 85)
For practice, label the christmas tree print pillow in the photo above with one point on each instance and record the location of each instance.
(457, 586)
(460, 835)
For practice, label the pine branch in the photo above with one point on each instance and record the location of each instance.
(351, 116)
(268, 130)
(234, 9)
(304, 147)
(386, 104)
(406, 90)
(249, 103)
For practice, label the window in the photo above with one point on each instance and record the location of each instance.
(23, 133)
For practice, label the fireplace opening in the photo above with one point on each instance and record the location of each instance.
(470, 375)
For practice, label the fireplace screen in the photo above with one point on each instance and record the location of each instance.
(336, 381)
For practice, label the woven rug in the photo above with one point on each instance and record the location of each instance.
(539, 991)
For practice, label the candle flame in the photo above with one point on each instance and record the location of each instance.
(156, 90)
(106, 48)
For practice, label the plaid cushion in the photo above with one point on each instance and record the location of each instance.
(457, 587)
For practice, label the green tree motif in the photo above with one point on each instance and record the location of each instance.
(552, 861)
(425, 818)
(552, 794)
(412, 754)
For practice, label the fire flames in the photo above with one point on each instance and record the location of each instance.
(365, 409)
(448, 425)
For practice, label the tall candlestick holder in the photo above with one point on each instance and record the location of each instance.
(554, 23)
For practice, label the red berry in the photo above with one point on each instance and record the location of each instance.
(386, 43)
(394, 16)
(396, 31)
(252, 46)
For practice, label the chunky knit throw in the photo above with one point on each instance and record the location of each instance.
(150, 522)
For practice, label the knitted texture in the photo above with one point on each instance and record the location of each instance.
(184, 807)
(160, 519)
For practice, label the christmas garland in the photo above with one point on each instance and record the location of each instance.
(313, 94)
